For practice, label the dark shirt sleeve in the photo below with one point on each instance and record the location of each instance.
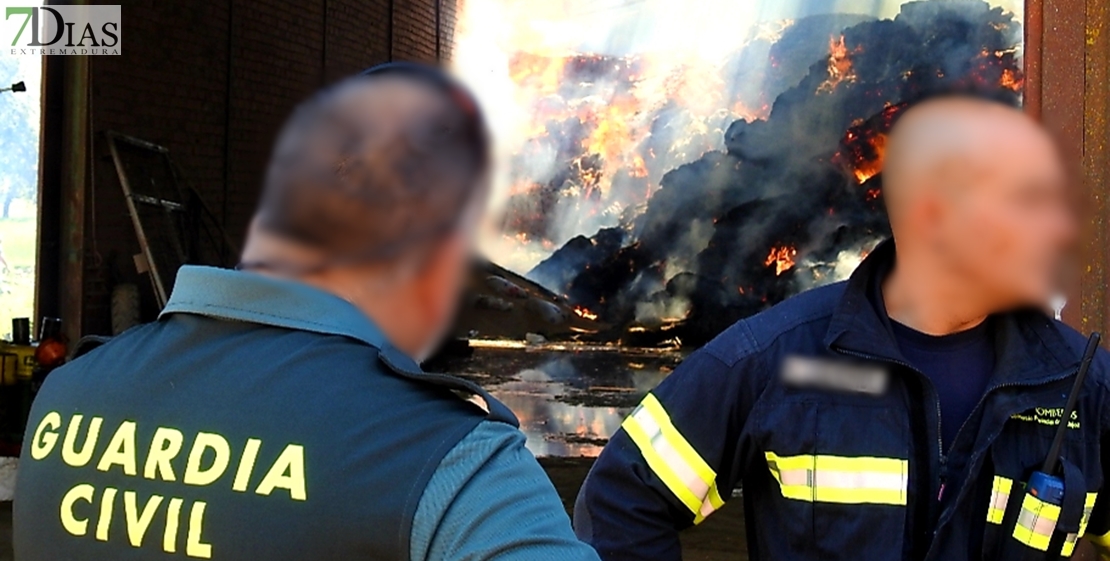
(674, 462)
(490, 500)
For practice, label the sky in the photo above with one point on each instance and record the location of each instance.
(19, 110)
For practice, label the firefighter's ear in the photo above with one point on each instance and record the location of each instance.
(930, 214)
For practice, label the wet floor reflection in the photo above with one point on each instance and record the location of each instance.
(569, 403)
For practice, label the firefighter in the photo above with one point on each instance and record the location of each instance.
(894, 415)
(278, 412)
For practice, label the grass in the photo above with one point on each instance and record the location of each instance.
(17, 282)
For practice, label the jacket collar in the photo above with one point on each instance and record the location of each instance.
(1029, 347)
(250, 297)
(254, 298)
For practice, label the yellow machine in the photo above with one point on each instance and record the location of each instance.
(17, 363)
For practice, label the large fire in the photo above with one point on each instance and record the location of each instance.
(590, 135)
(610, 127)
(645, 182)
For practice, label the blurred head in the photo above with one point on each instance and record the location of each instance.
(978, 190)
(374, 192)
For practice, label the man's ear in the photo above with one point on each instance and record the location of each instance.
(254, 248)
(930, 211)
(427, 276)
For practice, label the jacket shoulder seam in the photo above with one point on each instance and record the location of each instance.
(752, 344)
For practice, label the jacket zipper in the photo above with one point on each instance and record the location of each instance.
(941, 457)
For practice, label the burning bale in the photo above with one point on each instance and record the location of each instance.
(503, 287)
(792, 200)
(609, 128)
(500, 304)
(487, 302)
(547, 311)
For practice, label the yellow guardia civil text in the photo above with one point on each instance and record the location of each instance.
(207, 459)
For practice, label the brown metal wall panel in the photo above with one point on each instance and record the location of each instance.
(1063, 90)
(1096, 167)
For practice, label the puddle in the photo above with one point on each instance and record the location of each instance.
(569, 402)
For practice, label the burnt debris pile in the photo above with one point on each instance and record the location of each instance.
(794, 200)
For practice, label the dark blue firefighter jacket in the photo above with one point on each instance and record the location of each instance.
(834, 440)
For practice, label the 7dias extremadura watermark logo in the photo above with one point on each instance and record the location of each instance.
(61, 30)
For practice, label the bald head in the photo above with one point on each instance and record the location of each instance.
(978, 189)
(941, 146)
(375, 166)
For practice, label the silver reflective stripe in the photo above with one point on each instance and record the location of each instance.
(840, 479)
(1000, 496)
(1036, 522)
(859, 480)
(674, 460)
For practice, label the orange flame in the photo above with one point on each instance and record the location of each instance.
(840, 66)
(638, 167)
(866, 169)
(742, 111)
(584, 313)
(781, 258)
(613, 130)
(1011, 80)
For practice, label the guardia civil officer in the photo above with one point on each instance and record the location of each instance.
(277, 412)
(892, 416)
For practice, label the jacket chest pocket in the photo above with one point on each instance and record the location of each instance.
(1014, 515)
(842, 469)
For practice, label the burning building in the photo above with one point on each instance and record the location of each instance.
(682, 200)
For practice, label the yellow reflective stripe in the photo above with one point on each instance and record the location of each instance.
(1072, 539)
(709, 505)
(1000, 495)
(840, 479)
(1036, 522)
(673, 459)
(660, 466)
(689, 455)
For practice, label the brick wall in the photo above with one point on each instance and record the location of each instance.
(409, 18)
(213, 81)
(357, 35)
(448, 18)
